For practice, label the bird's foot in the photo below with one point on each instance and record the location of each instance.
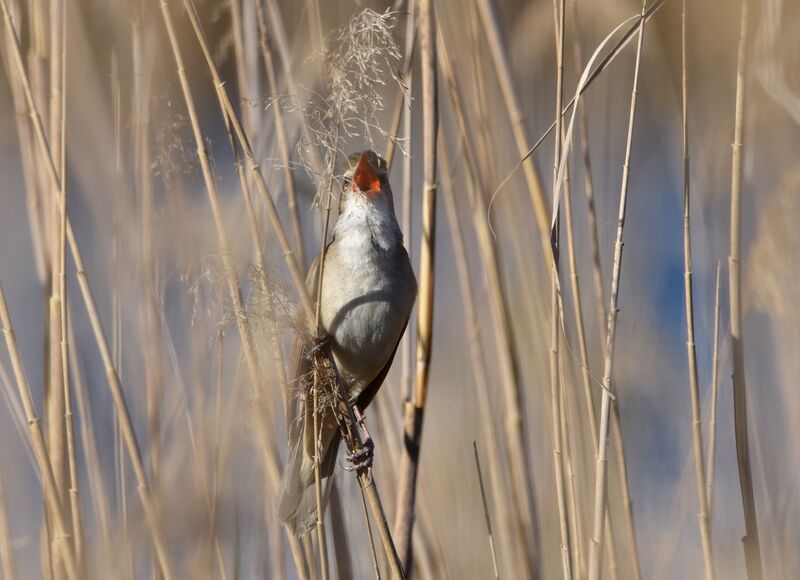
(361, 460)
(320, 344)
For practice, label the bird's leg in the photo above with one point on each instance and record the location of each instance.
(362, 459)
(319, 344)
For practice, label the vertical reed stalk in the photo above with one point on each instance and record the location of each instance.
(6, 549)
(114, 384)
(491, 24)
(588, 185)
(61, 299)
(584, 360)
(280, 135)
(242, 324)
(406, 348)
(601, 464)
(752, 550)
(507, 353)
(326, 220)
(415, 409)
(282, 45)
(691, 352)
(481, 381)
(555, 379)
(712, 423)
(97, 488)
(57, 509)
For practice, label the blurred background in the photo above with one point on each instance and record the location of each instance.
(212, 442)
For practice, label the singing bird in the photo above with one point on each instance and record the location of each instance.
(368, 292)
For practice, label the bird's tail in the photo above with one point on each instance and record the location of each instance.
(297, 499)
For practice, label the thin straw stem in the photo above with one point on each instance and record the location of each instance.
(111, 373)
(555, 379)
(507, 351)
(57, 509)
(6, 549)
(280, 135)
(601, 463)
(477, 358)
(415, 408)
(494, 36)
(712, 422)
(242, 324)
(752, 550)
(691, 352)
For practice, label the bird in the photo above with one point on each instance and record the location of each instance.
(368, 292)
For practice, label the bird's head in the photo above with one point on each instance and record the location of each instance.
(367, 178)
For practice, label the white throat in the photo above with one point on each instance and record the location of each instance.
(369, 220)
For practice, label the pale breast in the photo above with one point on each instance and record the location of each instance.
(367, 296)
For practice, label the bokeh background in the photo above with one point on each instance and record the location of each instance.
(142, 218)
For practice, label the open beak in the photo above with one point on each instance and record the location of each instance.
(365, 178)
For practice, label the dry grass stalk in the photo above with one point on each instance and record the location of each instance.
(153, 368)
(280, 135)
(242, 324)
(577, 305)
(281, 44)
(697, 434)
(752, 550)
(586, 374)
(343, 410)
(111, 373)
(61, 299)
(56, 507)
(403, 96)
(406, 349)
(415, 408)
(601, 470)
(524, 510)
(32, 195)
(97, 489)
(7, 564)
(555, 380)
(486, 512)
(488, 12)
(712, 421)
(321, 539)
(477, 357)
(56, 385)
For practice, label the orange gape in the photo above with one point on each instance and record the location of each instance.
(365, 178)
